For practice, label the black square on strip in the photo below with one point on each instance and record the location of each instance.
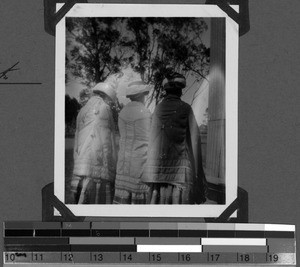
(104, 248)
(192, 233)
(220, 233)
(163, 233)
(76, 232)
(134, 233)
(106, 232)
(36, 240)
(278, 234)
(31, 248)
(250, 234)
(50, 232)
(19, 232)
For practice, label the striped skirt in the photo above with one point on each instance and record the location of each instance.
(129, 190)
(123, 196)
(161, 193)
(87, 190)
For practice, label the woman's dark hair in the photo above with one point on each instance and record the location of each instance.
(174, 91)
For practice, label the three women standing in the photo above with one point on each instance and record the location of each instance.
(159, 162)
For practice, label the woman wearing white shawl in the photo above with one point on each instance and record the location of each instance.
(95, 148)
(134, 125)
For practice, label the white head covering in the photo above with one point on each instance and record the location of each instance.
(106, 88)
(136, 88)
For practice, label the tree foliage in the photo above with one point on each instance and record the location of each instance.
(99, 47)
(164, 44)
(91, 50)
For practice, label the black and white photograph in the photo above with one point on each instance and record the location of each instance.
(155, 118)
(146, 110)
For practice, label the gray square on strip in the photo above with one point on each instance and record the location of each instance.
(134, 225)
(163, 226)
(106, 225)
(46, 225)
(281, 245)
(167, 241)
(17, 225)
(220, 226)
(101, 240)
(76, 225)
(192, 226)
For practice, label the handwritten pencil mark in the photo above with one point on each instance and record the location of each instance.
(21, 254)
(3, 74)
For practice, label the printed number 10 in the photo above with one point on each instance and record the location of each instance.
(10, 257)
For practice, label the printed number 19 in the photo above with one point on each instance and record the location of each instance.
(273, 257)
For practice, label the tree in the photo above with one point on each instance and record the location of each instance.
(164, 44)
(91, 50)
(152, 47)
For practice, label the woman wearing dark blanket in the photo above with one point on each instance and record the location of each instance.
(174, 169)
(134, 125)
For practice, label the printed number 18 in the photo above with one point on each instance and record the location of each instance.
(244, 257)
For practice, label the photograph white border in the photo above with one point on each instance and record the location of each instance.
(231, 109)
